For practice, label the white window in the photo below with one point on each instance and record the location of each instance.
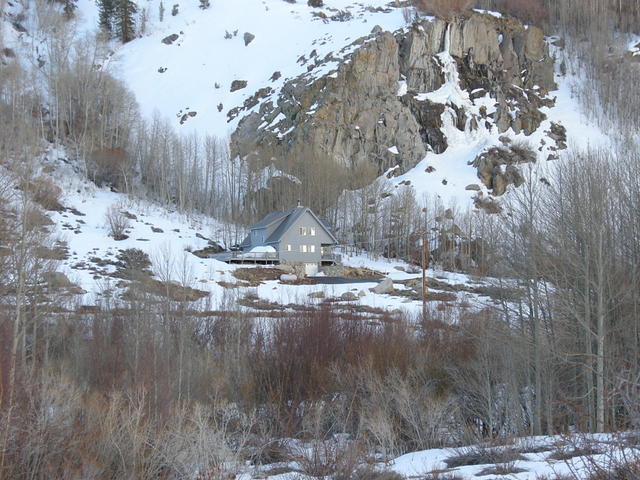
(303, 248)
(289, 248)
(312, 231)
(303, 230)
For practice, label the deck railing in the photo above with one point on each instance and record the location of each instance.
(331, 257)
(239, 255)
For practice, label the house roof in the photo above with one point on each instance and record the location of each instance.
(271, 218)
(292, 216)
(287, 218)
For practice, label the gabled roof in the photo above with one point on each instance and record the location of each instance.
(287, 218)
(286, 224)
(271, 218)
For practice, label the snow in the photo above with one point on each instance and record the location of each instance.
(446, 175)
(263, 249)
(284, 32)
(633, 45)
(535, 465)
(402, 88)
(169, 238)
(202, 57)
(488, 12)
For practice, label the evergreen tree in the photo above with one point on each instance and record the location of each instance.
(125, 20)
(106, 9)
(69, 7)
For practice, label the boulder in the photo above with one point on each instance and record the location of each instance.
(349, 296)
(288, 277)
(238, 85)
(169, 39)
(385, 286)
(248, 38)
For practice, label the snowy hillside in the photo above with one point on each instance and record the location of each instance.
(169, 238)
(187, 78)
(195, 72)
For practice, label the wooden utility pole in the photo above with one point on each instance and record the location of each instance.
(425, 263)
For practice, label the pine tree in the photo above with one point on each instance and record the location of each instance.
(69, 8)
(125, 20)
(106, 9)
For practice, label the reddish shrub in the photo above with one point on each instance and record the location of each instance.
(109, 166)
(444, 8)
(529, 11)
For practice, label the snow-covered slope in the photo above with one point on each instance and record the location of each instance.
(168, 238)
(210, 52)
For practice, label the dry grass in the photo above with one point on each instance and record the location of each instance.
(573, 452)
(478, 455)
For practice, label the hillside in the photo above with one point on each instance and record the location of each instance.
(493, 142)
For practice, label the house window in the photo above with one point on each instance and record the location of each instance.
(312, 248)
(303, 231)
(289, 248)
(312, 231)
(303, 248)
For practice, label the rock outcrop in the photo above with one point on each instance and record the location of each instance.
(369, 110)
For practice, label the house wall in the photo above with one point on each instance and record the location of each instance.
(292, 237)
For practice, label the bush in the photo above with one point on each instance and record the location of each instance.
(45, 193)
(109, 166)
(528, 11)
(481, 455)
(444, 8)
(573, 452)
(133, 263)
(117, 223)
(330, 458)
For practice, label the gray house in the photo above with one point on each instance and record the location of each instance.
(294, 236)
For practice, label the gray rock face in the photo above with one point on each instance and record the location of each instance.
(497, 167)
(352, 118)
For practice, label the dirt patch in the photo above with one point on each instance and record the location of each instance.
(500, 470)
(431, 296)
(481, 456)
(171, 290)
(573, 452)
(362, 273)
(55, 253)
(257, 275)
(208, 252)
(257, 303)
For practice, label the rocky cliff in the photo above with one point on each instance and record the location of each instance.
(391, 97)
